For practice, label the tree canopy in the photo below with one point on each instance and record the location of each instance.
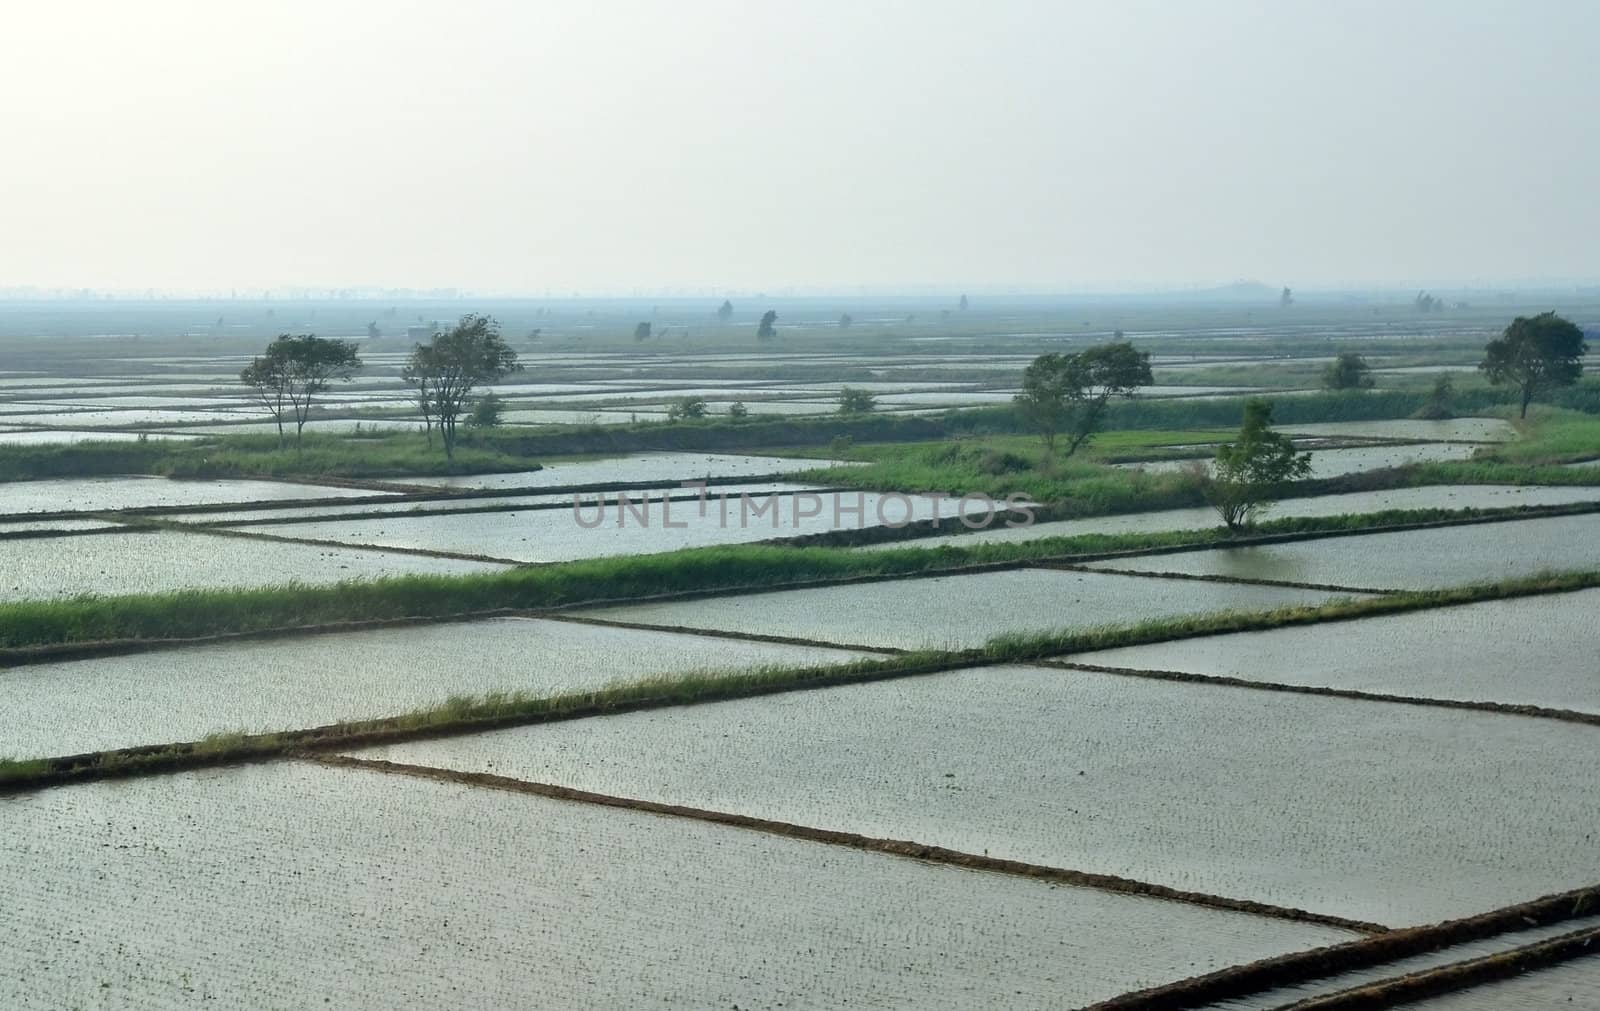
(1069, 393)
(768, 329)
(294, 369)
(856, 401)
(1535, 355)
(447, 370)
(686, 409)
(1249, 471)
(1348, 371)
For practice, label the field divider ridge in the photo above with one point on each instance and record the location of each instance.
(850, 840)
(393, 549)
(719, 633)
(1196, 627)
(1456, 976)
(1286, 584)
(1501, 708)
(498, 710)
(1300, 967)
(671, 494)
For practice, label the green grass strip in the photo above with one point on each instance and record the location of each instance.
(469, 714)
(193, 614)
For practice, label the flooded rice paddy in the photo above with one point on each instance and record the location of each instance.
(1525, 651)
(282, 684)
(1353, 808)
(197, 887)
(109, 564)
(1474, 496)
(958, 611)
(596, 526)
(641, 467)
(1326, 463)
(101, 494)
(1402, 560)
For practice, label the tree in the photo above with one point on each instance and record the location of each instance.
(641, 332)
(963, 303)
(1248, 472)
(294, 369)
(854, 401)
(1069, 393)
(486, 413)
(1425, 302)
(737, 411)
(724, 311)
(686, 409)
(1286, 299)
(767, 330)
(1439, 405)
(268, 377)
(1348, 371)
(373, 333)
(447, 370)
(1535, 355)
(845, 320)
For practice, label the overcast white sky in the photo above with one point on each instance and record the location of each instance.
(603, 144)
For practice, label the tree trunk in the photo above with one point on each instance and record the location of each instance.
(1527, 395)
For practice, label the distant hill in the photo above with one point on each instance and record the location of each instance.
(1240, 290)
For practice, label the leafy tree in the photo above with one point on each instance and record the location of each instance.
(294, 369)
(446, 370)
(373, 333)
(1348, 371)
(737, 411)
(641, 332)
(963, 303)
(1069, 393)
(1440, 403)
(686, 409)
(1535, 355)
(845, 320)
(487, 412)
(1286, 299)
(724, 311)
(1249, 471)
(1425, 302)
(854, 401)
(767, 330)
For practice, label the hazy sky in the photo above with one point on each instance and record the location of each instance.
(600, 144)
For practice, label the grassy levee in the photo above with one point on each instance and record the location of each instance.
(396, 454)
(46, 629)
(1002, 465)
(470, 714)
(945, 536)
(401, 454)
